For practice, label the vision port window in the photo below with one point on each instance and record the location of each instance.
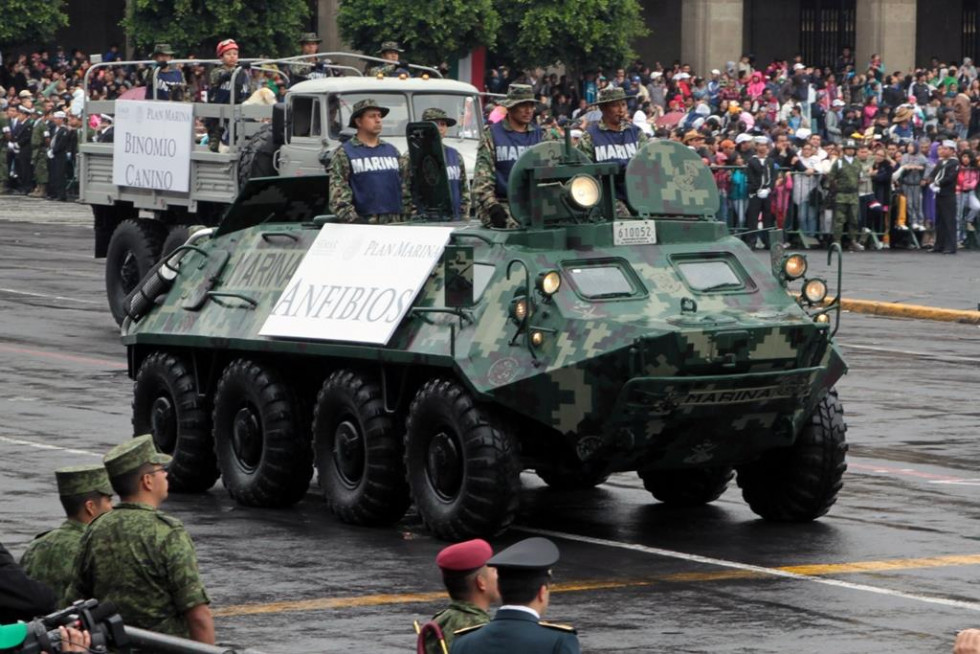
(603, 279)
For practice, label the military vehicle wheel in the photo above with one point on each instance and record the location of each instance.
(800, 483)
(358, 451)
(257, 156)
(176, 237)
(688, 487)
(167, 405)
(581, 478)
(133, 251)
(260, 436)
(462, 463)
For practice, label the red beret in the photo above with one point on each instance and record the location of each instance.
(468, 555)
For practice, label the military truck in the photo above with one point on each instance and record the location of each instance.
(140, 216)
(575, 346)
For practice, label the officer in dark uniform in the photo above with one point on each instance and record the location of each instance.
(21, 134)
(365, 172)
(761, 176)
(524, 578)
(943, 178)
(503, 143)
(164, 81)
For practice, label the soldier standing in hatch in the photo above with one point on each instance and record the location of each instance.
(140, 558)
(455, 169)
(613, 139)
(392, 53)
(472, 587)
(843, 179)
(503, 143)
(365, 176)
(222, 79)
(85, 494)
(524, 580)
(164, 82)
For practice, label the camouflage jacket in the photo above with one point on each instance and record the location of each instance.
(586, 145)
(143, 560)
(388, 70)
(39, 141)
(843, 179)
(409, 206)
(49, 557)
(341, 195)
(458, 615)
(484, 176)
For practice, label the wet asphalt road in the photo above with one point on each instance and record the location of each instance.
(893, 567)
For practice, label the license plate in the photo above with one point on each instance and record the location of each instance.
(634, 232)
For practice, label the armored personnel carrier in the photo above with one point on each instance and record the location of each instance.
(433, 362)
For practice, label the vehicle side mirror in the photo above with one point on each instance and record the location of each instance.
(457, 262)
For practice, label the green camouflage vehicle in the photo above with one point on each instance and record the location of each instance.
(576, 346)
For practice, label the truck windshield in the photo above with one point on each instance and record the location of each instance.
(464, 109)
(394, 123)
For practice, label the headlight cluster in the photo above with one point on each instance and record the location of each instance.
(584, 191)
(549, 282)
(815, 290)
(794, 266)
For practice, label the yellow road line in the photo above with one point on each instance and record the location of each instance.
(815, 570)
(915, 311)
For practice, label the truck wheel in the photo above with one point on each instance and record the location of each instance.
(565, 478)
(257, 156)
(167, 405)
(358, 451)
(463, 467)
(688, 487)
(800, 483)
(260, 437)
(176, 237)
(133, 251)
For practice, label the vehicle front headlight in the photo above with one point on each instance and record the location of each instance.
(584, 191)
(822, 319)
(794, 266)
(815, 290)
(549, 282)
(518, 309)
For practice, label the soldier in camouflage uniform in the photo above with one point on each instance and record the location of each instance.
(503, 143)
(4, 157)
(390, 51)
(472, 589)
(366, 171)
(40, 141)
(843, 179)
(311, 68)
(455, 169)
(85, 495)
(139, 557)
(613, 139)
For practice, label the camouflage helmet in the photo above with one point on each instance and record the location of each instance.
(849, 143)
(390, 46)
(162, 48)
(77, 480)
(363, 105)
(611, 94)
(434, 113)
(517, 94)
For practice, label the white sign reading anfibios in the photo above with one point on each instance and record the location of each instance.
(357, 282)
(152, 145)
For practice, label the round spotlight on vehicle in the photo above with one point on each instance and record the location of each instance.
(518, 309)
(403, 76)
(815, 290)
(380, 75)
(584, 191)
(425, 77)
(549, 282)
(537, 339)
(794, 266)
(822, 319)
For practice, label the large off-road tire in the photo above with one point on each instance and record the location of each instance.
(800, 483)
(176, 236)
(688, 487)
(358, 451)
(570, 478)
(167, 405)
(260, 436)
(257, 156)
(133, 251)
(462, 463)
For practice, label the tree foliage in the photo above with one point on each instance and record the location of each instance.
(577, 33)
(430, 31)
(27, 21)
(261, 28)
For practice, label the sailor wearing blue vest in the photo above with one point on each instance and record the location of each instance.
(165, 82)
(613, 139)
(365, 175)
(503, 143)
(524, 582)
(455, 169)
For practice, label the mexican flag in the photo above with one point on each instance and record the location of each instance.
(470, 68)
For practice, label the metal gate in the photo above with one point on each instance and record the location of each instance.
(826, 26)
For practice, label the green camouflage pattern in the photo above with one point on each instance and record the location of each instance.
(458, 615)
(77, 480)
(39, 149)
(143, 560)
(49, 557)
(667, 373)
(484, 178)
(341, 195)
(130, 455)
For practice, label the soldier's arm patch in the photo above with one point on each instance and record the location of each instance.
(466, 630)
(567, 628)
